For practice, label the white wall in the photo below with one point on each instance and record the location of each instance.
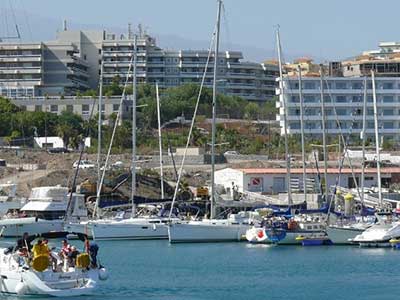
(226, 176)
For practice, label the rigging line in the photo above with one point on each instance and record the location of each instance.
(341, 136)
(15, 19)
(112, 137)
(28, 25)
(227, 28)
(80, 159)
(210, 51)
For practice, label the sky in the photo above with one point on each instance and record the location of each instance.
(321, 29)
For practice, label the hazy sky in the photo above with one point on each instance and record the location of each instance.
(326, 29)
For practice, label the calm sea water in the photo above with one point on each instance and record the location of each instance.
(158, 270)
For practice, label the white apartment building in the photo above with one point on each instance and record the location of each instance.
(72, 62)
(38, 69)
(345, 94)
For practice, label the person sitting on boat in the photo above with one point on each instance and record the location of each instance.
(72, 256)
(24, 243)
(52, 259)
(40, 249)
(93, 250)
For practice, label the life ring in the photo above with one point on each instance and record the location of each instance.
(260, 233)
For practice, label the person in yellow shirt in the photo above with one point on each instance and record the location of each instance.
(40, 249)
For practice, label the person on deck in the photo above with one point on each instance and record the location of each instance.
(25, 242)
(40, 249)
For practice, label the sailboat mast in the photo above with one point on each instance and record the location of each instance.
(378, 157)
(303, 152)
(321, 75)
(285, 118)
(214, 111)
(160, 142)
(100, 110)
(363, 137)
(133, 166)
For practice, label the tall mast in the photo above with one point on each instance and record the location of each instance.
(378, 157)
(214, 111)
(285, 117)
(99, 125)
(363, 137)
(303, 152)
(321, 74)
(160, 142)
(133, 166)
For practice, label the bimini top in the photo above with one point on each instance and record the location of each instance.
(58, 235)
(49, 193)
(44, 206)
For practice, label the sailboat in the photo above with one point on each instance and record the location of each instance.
(343, 232)
(212, 230)
(135, 227)
(386, 228)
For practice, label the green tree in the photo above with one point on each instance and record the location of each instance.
(251, 111)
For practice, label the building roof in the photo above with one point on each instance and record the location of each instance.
(315, 171)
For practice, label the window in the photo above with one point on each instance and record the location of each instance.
(341, 99)
(70, 108)
(387, 85)
(388, 125)
(357, 99)
(356, 85)
(388, 99)
(388, 112)
(369, 178)
(38, 108)
(309, 85)
(341, 85)
(115, 107)
(85, 109)
(54, 108)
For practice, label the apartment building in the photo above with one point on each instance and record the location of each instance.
(170, 68)
(83, 106)
(38, 69)
(72, 63)
(343, 97)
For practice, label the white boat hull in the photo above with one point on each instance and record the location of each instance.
(120, 230)
(342, 235)
(17, 227)
(289, 239)
(197, 232)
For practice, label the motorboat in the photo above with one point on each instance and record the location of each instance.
(380, 234)
(232, 229)
(24, 273)
(10, 204)
(45, 211)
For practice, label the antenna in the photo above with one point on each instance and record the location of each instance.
(129, 31)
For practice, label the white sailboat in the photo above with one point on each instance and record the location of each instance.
(24, 275)
(344, 233)
(135, 227)
(385, 229)
(211, 230)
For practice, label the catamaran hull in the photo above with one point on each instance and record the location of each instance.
(342, 236)
(195, 233)
(17, 227)
(115, 231)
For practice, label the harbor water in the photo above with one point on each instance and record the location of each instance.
(158, 270)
